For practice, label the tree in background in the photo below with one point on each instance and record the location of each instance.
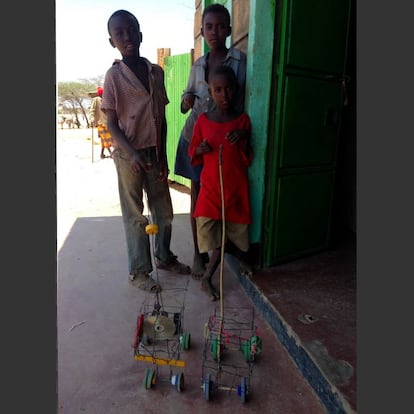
(74, 98)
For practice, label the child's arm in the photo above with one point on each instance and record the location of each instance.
(187, 102)
(203, 148)
(241, 136)
(198, 145)
(137, 164)
(188, 96)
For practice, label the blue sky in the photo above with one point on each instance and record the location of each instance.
(82, 47)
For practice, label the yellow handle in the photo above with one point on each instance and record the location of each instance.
(151, 229)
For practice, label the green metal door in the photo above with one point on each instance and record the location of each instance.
(176, 69)
(307, 100)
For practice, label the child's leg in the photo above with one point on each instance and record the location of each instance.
(102, 146)
(199, 259)
(206, 283)
(245, 267)
(106, 141)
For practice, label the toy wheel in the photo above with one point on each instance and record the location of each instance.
(246, 351)
(186, 339)
(216, 348)
(177, 322)
(257, 346)
(207, 387)
(139, 330)
(252, 348)
(206, 330)
(149, 378)
(180, 382)
(242, 390)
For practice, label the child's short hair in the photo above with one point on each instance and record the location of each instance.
(225, 70)
(216, 8)
(122, 13)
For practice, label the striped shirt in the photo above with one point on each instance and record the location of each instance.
(140, 113)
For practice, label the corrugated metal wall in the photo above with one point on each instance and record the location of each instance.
(177, 70)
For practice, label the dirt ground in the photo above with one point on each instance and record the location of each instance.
(86, 185)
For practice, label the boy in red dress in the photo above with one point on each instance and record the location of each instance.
(220, 142)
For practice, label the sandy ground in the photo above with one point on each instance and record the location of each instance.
(86, 185)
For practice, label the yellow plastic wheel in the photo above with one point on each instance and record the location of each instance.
(151, 229)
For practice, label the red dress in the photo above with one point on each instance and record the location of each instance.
(234, 170)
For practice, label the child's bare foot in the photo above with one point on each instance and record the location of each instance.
(199, 268)
(245, 269)
(208, 287)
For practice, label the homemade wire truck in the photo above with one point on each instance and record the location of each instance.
(231, 341)
(159, 335)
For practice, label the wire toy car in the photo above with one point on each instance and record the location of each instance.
(230, 348)
(159, 336)
(235, 330)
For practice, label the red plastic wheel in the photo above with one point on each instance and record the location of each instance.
(139, 330)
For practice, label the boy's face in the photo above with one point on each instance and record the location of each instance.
(125, 35)
(222, 92)
(215, 30)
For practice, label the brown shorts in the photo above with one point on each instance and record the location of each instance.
(209, 234)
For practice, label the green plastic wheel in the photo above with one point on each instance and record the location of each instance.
(149, 378)
(252, 348)
(186, 340)
(246, 350)
(216, 348)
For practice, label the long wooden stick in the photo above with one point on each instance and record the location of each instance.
(92, 144)
(223, 240)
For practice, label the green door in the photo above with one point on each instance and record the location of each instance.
(307, 101)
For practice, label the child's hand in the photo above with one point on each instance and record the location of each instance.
(237, 135)
(163, 172)
(139, 163)
(188, 100)
(203, 148)
(240, 137)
